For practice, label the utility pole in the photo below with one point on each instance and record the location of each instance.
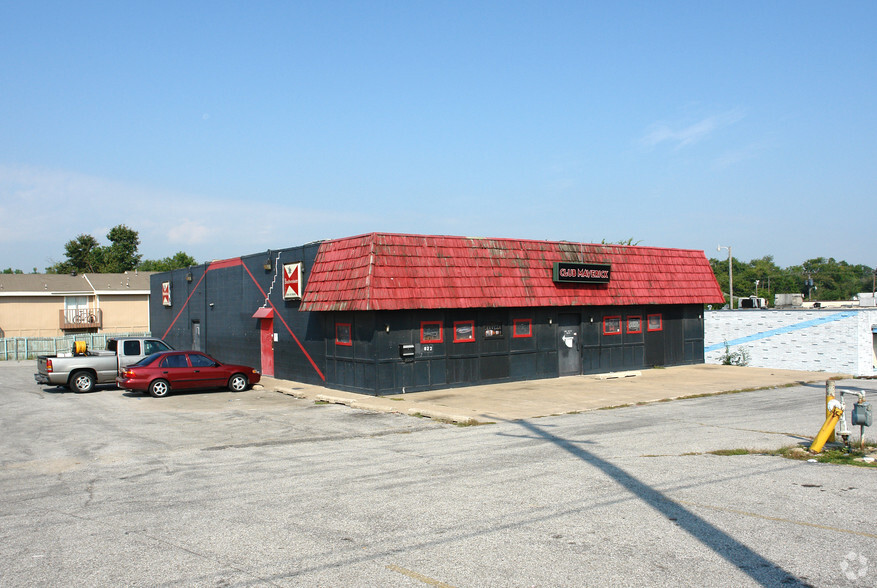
(730, 275)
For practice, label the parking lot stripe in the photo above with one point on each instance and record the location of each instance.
(416, 576)
(777, 519)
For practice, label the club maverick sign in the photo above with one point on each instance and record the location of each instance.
(582, 273)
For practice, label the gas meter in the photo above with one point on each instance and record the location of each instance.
(862, 414)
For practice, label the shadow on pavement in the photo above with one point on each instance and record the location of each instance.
(761, 570)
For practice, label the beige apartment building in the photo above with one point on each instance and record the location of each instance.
(54, 305)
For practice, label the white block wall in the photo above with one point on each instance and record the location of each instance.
(838, 340)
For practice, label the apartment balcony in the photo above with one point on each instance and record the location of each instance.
(81, 319)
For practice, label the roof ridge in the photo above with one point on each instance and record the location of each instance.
(373, 235)
(368, 276)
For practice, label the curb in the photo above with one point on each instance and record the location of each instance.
(405, 409)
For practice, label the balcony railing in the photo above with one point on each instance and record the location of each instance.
(81, 319)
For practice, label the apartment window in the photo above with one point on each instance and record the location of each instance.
(655, 322)
(634, 324)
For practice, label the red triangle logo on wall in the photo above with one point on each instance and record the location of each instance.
(291, 281)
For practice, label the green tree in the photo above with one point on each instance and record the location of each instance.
(121, 255)
(85, 255)
(178, 261)
(9, 270)
(82, 256)
(833, 280)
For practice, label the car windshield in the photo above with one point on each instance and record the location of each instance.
(148, 359)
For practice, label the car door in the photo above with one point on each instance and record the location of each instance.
(206, 372)
(175, 369)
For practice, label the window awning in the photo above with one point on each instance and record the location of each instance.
(264, 313)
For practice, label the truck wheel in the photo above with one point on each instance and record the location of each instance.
(160, 388)
(82, 382)
(238, 383)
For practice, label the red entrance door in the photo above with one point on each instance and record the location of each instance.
(267, 339)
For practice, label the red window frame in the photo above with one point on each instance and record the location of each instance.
(606, 320)
(526, 321)
(441, 337)
(471, 331)
(640, 319)
(660, 326)
(349, 341)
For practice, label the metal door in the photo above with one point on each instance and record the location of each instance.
(196, 335)
(569, 347)
(267, 346)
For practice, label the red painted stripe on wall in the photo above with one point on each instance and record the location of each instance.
(226, 263)
(288, 330)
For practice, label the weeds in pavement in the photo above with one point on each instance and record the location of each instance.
(836, 455)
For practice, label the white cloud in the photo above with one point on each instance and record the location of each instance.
(42, 209)
(683, 134)
(189, 232)
(735, 156)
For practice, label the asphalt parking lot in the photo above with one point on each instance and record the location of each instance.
(261, 488)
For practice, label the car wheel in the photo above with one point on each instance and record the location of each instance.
(238, 383)
(160, 388)
(82, 382)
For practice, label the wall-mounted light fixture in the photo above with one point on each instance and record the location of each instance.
(387, 328)
(189, 277)
(267, 265)
(211, 306)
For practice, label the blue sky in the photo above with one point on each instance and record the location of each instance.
(227, 128)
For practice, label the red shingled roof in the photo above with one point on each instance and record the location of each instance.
(380, 271)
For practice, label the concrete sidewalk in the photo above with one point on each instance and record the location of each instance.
(536, 398)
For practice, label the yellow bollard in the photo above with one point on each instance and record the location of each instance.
(826, 430)
(829, 396)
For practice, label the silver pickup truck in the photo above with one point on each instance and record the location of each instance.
(81, 369)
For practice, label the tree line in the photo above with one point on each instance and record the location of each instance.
(85, 254)
(816, 279)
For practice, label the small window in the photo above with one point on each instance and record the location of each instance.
(493, 331)
(131, 347)
(612, 325)
(343, 334)
(522, 328)
(431, 332)
(464, 331)
(634, 324)
(655, 322)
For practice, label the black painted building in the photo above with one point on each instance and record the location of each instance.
(387, 313)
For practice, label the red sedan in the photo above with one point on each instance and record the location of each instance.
(161, 373)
